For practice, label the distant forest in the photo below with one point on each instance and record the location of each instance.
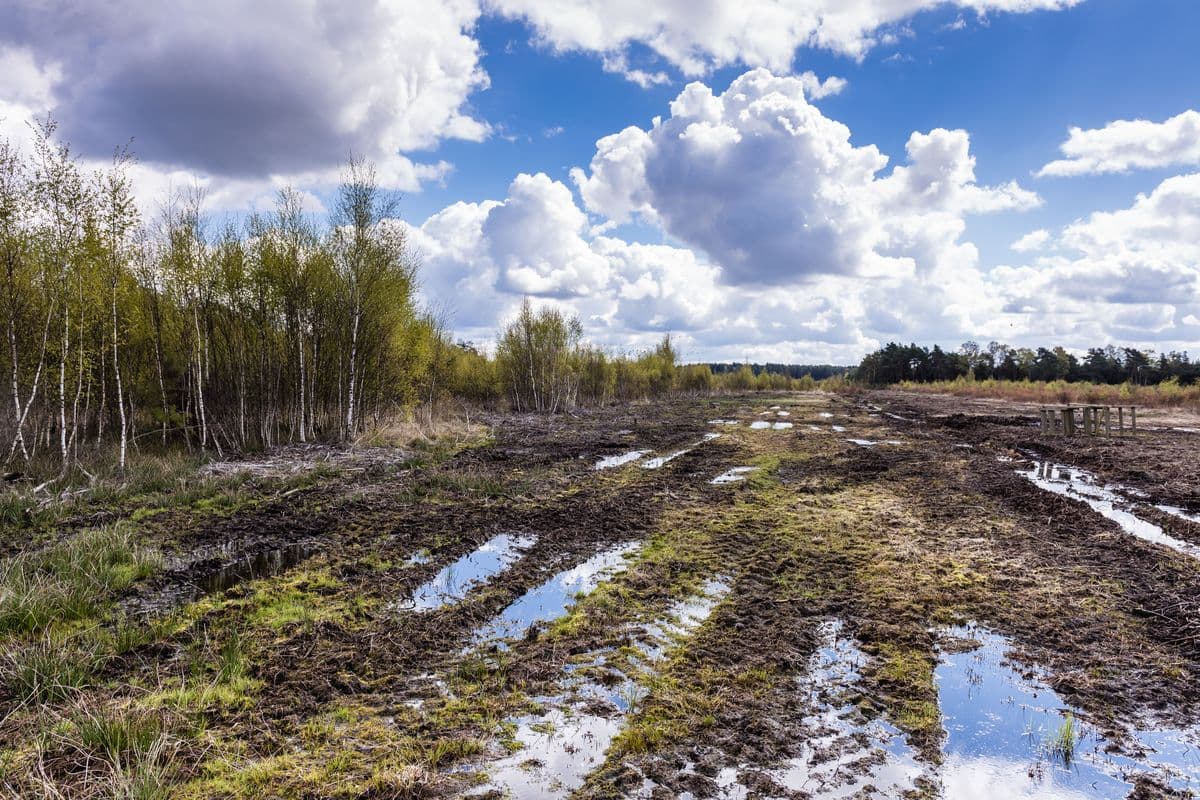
(895, 363)
(818, 372)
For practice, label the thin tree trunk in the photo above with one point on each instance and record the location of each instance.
(37, 379)
(62, 385)
(300, 353)
(117, 377)
(200, 382)
(351, 376)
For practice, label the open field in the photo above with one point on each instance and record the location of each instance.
(794, 595)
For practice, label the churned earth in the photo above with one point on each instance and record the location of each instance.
(794, 596)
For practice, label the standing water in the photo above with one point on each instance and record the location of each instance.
(1011, 736)
(454, 581)
(569, 739)
(1105, 500)
(620, 460)
(551, 600)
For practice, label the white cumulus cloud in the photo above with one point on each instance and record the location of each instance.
(1130, 275)
(774, 191)
(697, 37)
(1126, 145)
(1034, 240)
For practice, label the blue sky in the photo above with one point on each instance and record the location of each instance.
(753, 221)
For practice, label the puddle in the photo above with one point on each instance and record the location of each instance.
(814, 427)
(783, 413)
(417, 559)
(837, 428)
(456, 580)
(732, 476)
(847, 754)
(552, 599)
(683, 617)
(1002, 727)
(1176, 511)
(825, 415)
(262, 564)
(620, 460)
(842, 752)
(568, 740)
(896, 416)
(722, 422)
(873, 443)
(763, 424)
(655, 463)
(1104, 500)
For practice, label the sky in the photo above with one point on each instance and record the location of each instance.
(771, 180)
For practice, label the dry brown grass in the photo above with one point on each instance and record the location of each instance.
(1168, 394)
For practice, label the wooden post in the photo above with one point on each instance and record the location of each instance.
(1133, 420)
(1107, 421)
(1121, 420)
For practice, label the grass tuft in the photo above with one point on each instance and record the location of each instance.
(47, 671)
(70, 580)
(1065, 740)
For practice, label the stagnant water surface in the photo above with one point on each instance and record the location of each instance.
(734, 475)
(763, 425)
(1176, 511)
(842, 752)
(1103, 499)
(552, 599)
(655, 463)
(1001, 728)
(619, 460)
(251, 566)
(849, 752)
(568, 740)
(872, 442)
(454, 581)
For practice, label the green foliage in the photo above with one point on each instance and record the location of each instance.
(537, 358)
(895, 363)
(695, 378)
(472, 375)
(170, 333)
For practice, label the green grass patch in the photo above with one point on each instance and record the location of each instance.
(71, 580)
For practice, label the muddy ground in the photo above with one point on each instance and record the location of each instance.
(824, 624)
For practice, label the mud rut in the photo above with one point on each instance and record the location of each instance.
(890, 542)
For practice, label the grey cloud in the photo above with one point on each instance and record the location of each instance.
(249, 90)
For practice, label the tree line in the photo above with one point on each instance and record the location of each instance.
(174, 330)
(817, 372)
(896, 363)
